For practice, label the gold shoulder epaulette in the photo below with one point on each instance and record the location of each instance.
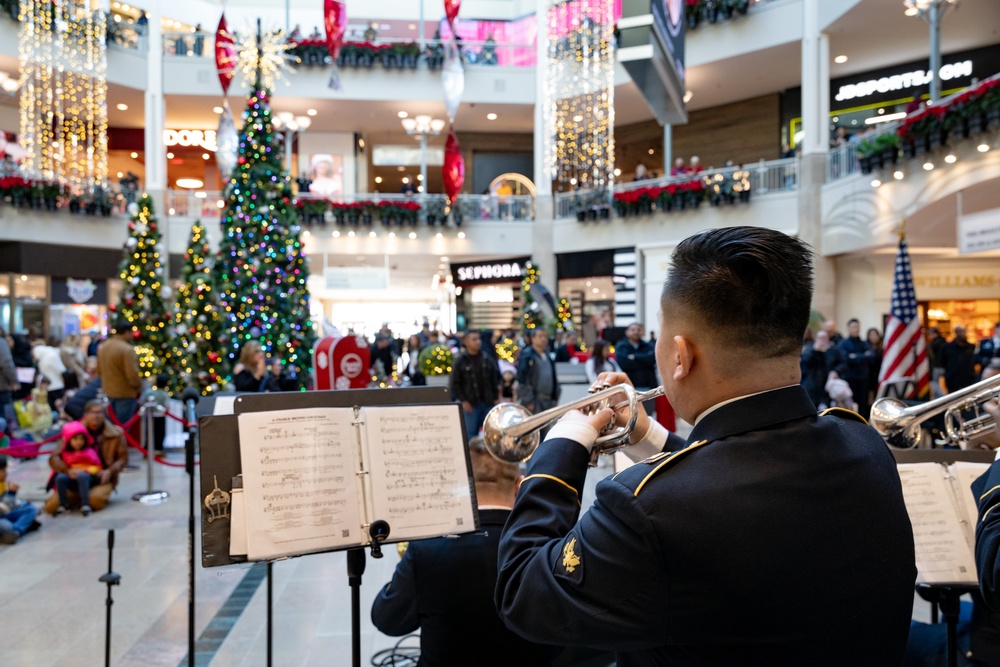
(844, 413)
(666, 461)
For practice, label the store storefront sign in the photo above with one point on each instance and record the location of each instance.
(85, 291)
(205, 139)
(500, 271)
(979, 231)
(904, 81)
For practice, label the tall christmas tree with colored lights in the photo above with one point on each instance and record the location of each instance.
(197, 330)
(145, 295)
(531, 316)
(262, 268)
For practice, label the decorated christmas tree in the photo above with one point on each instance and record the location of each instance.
(197, 329)
(564, 315)
(262, 268)
(144, 295)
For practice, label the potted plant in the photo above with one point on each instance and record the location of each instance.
(409, 54)
(434, 55)
(50, 195)
(887, 144)
(435, 363)
(436, 211)
(387, 55)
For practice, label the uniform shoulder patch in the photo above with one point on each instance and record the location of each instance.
(844, 413)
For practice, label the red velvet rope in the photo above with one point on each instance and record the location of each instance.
(135, 445)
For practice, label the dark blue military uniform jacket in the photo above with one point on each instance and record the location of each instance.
(444, 587)
(985, 629)
(777, 537)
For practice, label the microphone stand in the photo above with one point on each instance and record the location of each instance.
(190, 397)
(111, 578)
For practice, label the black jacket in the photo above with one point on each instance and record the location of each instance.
(444, 587)
(638, 362)
(958, 359)
(475, 379)
(985, 630)
(776, 538)
(816, 367)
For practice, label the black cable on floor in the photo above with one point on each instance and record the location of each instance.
(398, 655)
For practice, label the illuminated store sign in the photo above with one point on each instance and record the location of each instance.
(503, 271)
(904, 81)
(191, 138)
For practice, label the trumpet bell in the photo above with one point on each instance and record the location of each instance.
(895, 421)
(499, 437)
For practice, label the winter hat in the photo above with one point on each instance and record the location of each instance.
(72, 429)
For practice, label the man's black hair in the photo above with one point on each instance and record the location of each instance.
(749, 286)
(853, 320)
(121, 326)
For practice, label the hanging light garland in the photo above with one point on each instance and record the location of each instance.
(64, 113)
(263, 55)
(579, 99)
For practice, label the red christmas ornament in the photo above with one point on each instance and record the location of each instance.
(225, 54)
(213, 357)
(136, 334)
(451, 8)
(453, 170)
(335, 20)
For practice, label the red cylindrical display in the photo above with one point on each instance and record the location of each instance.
(453, 171)
(341, 362)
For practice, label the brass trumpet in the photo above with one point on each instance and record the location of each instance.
(512, 434)
(900, 424)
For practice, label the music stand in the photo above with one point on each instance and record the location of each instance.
(944, 596)
(221, 461)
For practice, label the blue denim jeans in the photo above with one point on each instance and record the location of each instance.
(19, 519)
(81, 484)
(474, 420)
(124, 408)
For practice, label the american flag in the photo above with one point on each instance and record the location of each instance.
(905, 354)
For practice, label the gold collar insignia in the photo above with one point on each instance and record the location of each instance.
(570, 559)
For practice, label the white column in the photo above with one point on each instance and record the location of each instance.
(815, 82)
(543, 179)
(155, 107)
(668, 152)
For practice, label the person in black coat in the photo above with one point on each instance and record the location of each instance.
(819, 357)
(958, 359)
(856, 357)
(988, 349)
(475, 382)
(776, 537)
(444, 586)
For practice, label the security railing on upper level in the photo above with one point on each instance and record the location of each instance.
(366, 208)
(390, 52)
(715, 185)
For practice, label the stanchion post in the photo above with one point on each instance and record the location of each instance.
(190, 397)
(147, 411)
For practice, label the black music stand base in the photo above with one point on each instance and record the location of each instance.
(355, 568)
(946, 597)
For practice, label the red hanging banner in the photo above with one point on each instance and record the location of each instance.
(451, 8)
(335, 20)
(453, 171)
(225, 55)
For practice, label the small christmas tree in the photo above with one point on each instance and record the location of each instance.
(144, 296)
(197, 329)
(564, 315)
(262, 268)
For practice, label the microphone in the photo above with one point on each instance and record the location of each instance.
(190, 394)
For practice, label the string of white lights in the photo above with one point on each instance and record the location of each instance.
(63, 106)
(579, 103)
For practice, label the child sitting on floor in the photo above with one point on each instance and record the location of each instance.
(84, 466)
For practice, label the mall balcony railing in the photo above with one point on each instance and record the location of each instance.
(717, 186)
(364, 209)
(390, 52)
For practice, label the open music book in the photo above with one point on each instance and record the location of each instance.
(943, 512)
(315, 479)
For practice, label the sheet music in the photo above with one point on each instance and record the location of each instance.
(299, 481)
(966, 473)
(419, 478)
(942, 550)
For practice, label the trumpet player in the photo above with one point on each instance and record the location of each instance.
(774, 536)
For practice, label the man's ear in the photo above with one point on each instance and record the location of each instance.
(683, 357)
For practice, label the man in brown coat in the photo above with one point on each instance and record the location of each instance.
(118, 367)
(110, 443)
